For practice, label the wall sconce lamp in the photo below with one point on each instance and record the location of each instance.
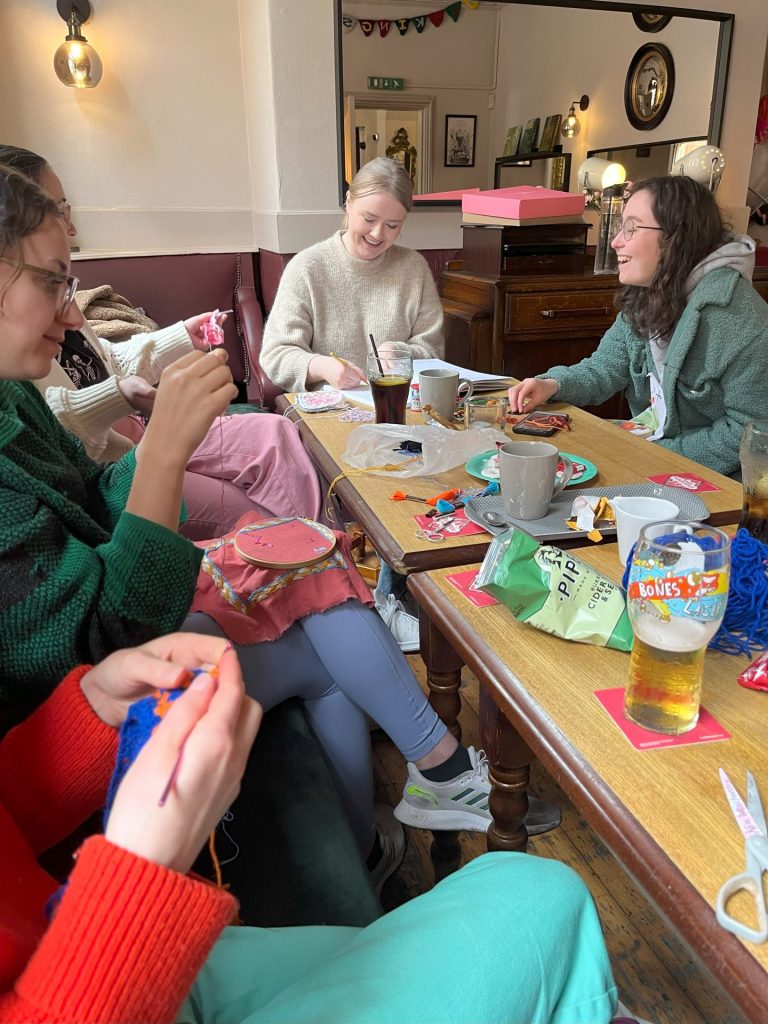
(595, 174)
(571, 125)
(704, 164)
(76, 63)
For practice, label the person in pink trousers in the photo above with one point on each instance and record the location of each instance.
(248, 462)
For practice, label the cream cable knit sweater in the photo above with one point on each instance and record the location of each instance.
(90, 412)
(329, 301)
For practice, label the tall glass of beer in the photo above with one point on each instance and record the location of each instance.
(390, 380)
(753, 453)
(677, 592)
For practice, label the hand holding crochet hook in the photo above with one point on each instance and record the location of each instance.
(202, 745)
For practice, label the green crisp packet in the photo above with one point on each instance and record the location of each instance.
(554, 591)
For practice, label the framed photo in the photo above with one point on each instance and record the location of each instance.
(549, 133)
(460, 140)
(530, 136)
(513, 140)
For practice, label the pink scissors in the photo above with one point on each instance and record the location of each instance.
(751, 821)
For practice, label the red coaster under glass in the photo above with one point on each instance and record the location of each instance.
(707, 728)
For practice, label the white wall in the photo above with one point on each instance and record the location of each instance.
(214, 127)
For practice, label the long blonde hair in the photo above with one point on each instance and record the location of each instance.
(380, 175)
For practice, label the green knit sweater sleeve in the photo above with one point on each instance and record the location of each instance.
(79, 576)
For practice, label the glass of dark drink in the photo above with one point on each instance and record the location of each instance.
(390, 380)
(753, 452)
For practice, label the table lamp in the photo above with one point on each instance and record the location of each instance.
(704, 164)
(595, 174)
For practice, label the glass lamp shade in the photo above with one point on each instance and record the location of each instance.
(704, 164)
(596, 174)
(571, 126)
(77, 64)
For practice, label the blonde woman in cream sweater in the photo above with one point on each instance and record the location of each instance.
(333, 295)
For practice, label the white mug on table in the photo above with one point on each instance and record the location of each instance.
(528, 477)
(441, 389)
(632, 514)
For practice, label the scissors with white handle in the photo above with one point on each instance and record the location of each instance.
(751, 821)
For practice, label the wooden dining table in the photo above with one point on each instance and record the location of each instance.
(620, 458)
(662, 812)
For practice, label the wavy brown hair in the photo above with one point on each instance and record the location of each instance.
(692, 228)
(23, 208)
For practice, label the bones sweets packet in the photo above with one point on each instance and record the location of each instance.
(755, 676)
(555, 592)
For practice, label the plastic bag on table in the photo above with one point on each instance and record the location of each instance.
(375, 444)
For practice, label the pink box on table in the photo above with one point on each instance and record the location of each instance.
(523, 202)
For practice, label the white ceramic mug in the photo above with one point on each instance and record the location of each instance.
(632, 514)
(441, 389)
(528, 477)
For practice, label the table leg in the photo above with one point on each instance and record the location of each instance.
(443, 673)
(509, 759)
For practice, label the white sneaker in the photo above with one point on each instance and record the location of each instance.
(392, 841)
(462, 803)
(404, 627)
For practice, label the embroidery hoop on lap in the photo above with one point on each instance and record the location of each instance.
(284, 543)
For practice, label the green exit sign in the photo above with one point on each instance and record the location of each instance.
(386, 83)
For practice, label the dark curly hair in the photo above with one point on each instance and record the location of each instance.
(691, 229)
(23, 208)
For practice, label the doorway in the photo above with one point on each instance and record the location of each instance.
(389, 126)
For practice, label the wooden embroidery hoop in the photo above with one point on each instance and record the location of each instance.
(293, 543)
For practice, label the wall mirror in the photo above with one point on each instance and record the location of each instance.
(647, 161)
(507, 61)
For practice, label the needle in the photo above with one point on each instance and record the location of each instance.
(214, 674)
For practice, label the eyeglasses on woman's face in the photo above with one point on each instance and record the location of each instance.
(65, 211)
(63, 286)
(629, 226)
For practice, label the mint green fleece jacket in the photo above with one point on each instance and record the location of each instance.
(715, 373)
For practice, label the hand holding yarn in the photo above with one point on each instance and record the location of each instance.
(135, 672)
(215, 723)
(205, 329)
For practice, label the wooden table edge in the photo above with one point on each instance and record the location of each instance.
(721, 952)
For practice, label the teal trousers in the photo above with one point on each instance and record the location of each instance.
(509, 939)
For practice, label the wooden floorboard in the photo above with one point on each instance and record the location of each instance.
(655, 972)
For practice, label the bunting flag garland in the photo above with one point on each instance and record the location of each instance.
(403, 24)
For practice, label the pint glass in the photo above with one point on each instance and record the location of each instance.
(753, 453)
(676, 598)
(390, 380)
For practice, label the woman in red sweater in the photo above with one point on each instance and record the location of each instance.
(510, 937)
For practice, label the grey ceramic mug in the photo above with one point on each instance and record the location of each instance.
(441, 389)
(528, 477)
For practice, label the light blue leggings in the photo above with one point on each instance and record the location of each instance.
(509, 939)
(346, 665)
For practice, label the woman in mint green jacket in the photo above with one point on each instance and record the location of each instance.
(690, 344)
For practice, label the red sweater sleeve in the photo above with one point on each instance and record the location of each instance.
(56, 765)
(127, 942)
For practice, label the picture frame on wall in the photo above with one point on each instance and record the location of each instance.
(530, 136)
(460, 140)
(513, 140)
(549, 133)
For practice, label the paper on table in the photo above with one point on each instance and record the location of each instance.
(482, 381)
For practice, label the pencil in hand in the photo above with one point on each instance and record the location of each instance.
(345, 362)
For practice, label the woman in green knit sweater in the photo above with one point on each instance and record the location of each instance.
(690, 344)
(90, 560)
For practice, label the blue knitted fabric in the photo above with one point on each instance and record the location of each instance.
(141, 721)
(745, 624)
